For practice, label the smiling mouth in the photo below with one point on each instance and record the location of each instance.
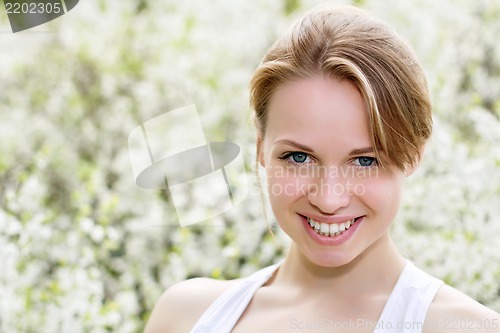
(333, 229)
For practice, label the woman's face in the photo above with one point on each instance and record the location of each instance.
(321, 170)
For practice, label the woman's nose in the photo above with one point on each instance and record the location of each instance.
(328, 193)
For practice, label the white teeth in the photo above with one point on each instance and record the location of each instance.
(332, 229)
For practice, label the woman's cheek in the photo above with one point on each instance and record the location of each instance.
(382, 194)
(286, 186)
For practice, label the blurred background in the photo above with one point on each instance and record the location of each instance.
(83, 249)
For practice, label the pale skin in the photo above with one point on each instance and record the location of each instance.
(340, 282)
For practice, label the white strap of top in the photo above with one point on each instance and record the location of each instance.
(224, 312)
(407, 306)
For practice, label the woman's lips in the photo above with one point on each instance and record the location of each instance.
(331, 233)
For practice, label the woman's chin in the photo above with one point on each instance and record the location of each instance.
(331, 260)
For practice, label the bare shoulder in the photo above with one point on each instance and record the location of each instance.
(182, 304)
(454, 311)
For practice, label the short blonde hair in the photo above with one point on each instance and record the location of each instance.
(347, 43)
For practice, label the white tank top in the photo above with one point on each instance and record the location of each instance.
(404, 311)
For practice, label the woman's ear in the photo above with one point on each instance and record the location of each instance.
(412, 168)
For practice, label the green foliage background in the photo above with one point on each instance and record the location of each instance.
(83, 249)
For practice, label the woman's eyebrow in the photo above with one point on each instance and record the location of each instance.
(356, 151)
(359, 151)
(294, 143)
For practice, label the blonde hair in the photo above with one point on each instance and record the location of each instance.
(346, 43)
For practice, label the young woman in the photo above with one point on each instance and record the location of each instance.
(342, 116)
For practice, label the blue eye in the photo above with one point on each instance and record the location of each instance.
(296, 157)
(299, 157)
(366, 161)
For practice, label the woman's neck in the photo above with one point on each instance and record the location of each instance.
(373, 272)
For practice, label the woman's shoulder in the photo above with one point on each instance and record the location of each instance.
(183, 303)
(453, 311)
